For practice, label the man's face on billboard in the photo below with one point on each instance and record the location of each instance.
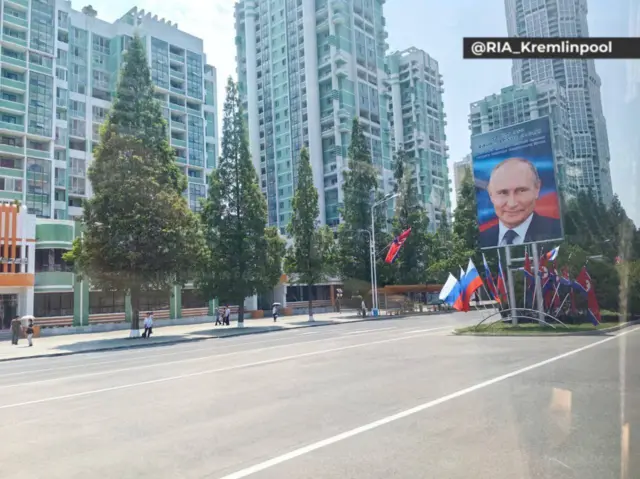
(514, 189)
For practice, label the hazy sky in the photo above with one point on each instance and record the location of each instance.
(437, 27)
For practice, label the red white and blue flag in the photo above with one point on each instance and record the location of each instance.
(585, 286)
(451, 293)
(397, 243)
(553, 254)
(471, 282)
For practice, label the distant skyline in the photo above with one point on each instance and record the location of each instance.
(438, 28)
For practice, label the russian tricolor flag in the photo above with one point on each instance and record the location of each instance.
(553, 254)
(451, 293)
(470, 283)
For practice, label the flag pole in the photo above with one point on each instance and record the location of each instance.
(562, 304)
(557, 288)
(511, 286)
(538, 279)
(500, 273)
(524, 283)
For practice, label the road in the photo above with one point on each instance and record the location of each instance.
(390, 399)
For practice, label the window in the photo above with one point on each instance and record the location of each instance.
(53, 304)
(160, 63)
(194, 75)
(196, 141)
(42, 21)
(39, 187)
(40, 104)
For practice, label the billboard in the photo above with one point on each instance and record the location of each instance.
(516, 190)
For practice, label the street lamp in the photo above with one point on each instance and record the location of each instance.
(372, 260)
(373, 246)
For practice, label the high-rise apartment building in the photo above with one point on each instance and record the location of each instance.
(518, 103)
(461, 169)
(417, 121)
(588, 165)
(59, 70)
(58, 73)
(306, 68)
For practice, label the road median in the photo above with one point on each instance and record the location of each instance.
(534, 329)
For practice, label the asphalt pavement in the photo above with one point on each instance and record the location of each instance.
(391, 399)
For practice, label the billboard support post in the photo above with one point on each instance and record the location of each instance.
(511, 286)
(536, 268)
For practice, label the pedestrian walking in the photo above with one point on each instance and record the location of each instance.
(275, 312)
(148, 326)
(364, 309)
(227, 315)
(219, 314)
(16, 327)
(30, 333)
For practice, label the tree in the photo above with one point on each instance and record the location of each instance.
(411, 266)
(138, 231)
(272, 268)
(465, 224)
(242, 257)
(310, 257)
(360, 188)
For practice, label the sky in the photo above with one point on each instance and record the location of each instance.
(437, 27)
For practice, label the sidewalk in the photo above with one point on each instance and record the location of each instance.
(82, 343)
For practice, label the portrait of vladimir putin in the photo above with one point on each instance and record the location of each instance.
(514, 188)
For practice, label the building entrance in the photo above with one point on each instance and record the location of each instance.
(8, 309)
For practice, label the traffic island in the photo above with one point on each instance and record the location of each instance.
(536, 329)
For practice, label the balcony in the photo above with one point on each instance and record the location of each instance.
(12, 172)
(61, 102)
(13, 84)
(178, 143)
(177, 74)
(176, 57)
(18, 62)
(178, 125)
(15, 40)
(12, 105)
(54, 278)
(5, 125)
(45, 154)
(178, 90)
(181, 160)
(19, 3)
(196, 179)
(12, 149)
(61, 181)
(194, 109)
(176, 107)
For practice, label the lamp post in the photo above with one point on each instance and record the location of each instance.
(373, 246)
(372, 260)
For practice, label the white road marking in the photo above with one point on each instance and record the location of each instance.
(409, 412)
(137, 357)
(131, 353)
(414, 331)
(363, 331)
(205, 372)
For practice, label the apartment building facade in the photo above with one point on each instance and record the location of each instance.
(588, 163)
(417, 123)
(306, 68)
(518, 103)
(58, 73)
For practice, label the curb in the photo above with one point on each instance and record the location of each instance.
(190, 340)
(597, 332)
